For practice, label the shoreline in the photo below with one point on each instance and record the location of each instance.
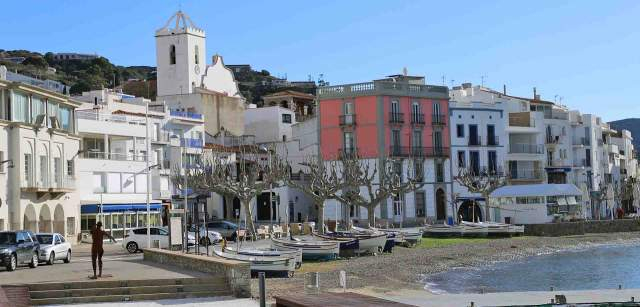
(406, 268)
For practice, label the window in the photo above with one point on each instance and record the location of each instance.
(436, 108)
(20, 108)
(348, 141)
(286, 118)
(460, 130)
(64, 119)
(420, 204)
(474, 161)
(197, 55)
(439, 171)
(172, 54)
(395, 106)
(52, 113)
(493, 163)
(284, 138)
(27, 168)
(437, 140)
(418, 168)
(417, 138)
(37, 110)
(461, 159)
(70, 169)
(57, 171)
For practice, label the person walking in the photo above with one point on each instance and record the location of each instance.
(97, 237)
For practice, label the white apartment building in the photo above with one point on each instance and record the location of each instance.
(113, 163)
(39, 149)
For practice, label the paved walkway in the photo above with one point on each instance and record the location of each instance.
(200, 302)
(426, 299)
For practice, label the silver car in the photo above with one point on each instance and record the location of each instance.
(53, 247)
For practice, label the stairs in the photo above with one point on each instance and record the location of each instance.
(126, 290)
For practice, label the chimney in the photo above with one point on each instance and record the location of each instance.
(535, 93)
(504, 89)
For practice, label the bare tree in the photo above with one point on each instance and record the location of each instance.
(482, 182)
(380, 183)
(323, 181)
(244, 177)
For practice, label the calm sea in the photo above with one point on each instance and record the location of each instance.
(603, 267)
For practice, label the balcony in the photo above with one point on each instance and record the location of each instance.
(526, 174)
(521, 119)
(493, 141)
(189, 115)
(418, 152)
(552, 139)
(55, 187)
(396, 118)
(582, 141)
(191, 143)
(582, 163)
(347, 120)
(525, 149)
(474, 140)
(346, 153)
(417, 119)
(162, 137)
(383, 88)
(112, 156)
(486, 170)
(438, 120)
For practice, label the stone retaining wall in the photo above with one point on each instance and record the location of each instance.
(237, 273)
(582, 227)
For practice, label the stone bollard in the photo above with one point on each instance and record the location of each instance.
(262, 287)
(312, 283)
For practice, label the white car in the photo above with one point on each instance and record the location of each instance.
(53, 247)
(206, 237)
(136, 239)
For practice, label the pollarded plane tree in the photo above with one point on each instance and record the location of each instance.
(481, 182)
(379, 183)
(322, 181)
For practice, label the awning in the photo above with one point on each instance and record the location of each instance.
(557, 169)
(106, 208)
(463, 198)
(537, 190)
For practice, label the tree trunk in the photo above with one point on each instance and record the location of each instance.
(320, 205)
(487, 209)
(228, 205)
(371, 216)
(251, 228)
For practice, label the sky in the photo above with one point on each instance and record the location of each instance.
(582, 53)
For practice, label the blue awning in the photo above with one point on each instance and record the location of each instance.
(557, 169)
(463, 198)
(95, 208)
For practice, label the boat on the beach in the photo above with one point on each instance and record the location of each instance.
(366, 243)
(443, 231)
(311, 249)
(268, 252)
(402, 236)
(270, 265)
(495, 229)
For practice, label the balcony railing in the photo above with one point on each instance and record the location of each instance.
(486, 170)
(97, 116)
(396, 118)
(351, 152)
(493, 141)
(417, 119)
(552, 139)
(347, 120)
(525, 149)
(582, 141)
(190, 115)
(66, 183)
(413, 151)
(438, 120)
(581, 163)
(474, 141)
(525, 174)
(113, 156)
(192, 143)
(377, 88)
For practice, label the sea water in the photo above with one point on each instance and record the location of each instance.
(602, 267)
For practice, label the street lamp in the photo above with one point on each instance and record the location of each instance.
(184, 190)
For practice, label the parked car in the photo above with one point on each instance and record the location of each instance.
(206, 237)
(53, 247)
(225, 228)
(136, 239)
(18, 247)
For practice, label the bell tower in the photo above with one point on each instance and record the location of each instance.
(180, 56)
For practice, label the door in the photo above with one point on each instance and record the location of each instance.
(57, 247)
(473, 135)
(491, 135)
(163, 237)
(21, 243)
(395, 142)
(441, 205)
(474, 161)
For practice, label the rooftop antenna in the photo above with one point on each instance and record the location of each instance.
(453, 82)
(482, 80)
(443, 80)
(555, 98)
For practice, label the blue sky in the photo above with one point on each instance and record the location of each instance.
(585, 51)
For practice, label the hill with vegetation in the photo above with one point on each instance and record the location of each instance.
(79, 75)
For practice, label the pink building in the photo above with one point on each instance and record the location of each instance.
(398, 117)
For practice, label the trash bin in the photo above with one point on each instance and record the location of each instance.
(450, 220)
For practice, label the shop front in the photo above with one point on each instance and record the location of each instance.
(117, 219)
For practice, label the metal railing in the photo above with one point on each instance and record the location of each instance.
(66, 183)
(525, 148)
(192, 143)
(97, 116)
(525, 174)
(581, 163)
(190, 115)
(347, 120)
(113, 156)
(396, 117)
(437, 119)
(415, 151)
(417, 118)
(552, 139)
(583, 141)
(493, 141)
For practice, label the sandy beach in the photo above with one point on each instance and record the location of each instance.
(404, 269)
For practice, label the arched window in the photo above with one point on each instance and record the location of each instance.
(197, 55)
(172, 54)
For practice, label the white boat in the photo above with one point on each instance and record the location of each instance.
(269, 264)
(402, 236)
(367, 242)
(269, 252)
(495, 229)
(443, 230)
(311, 249)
